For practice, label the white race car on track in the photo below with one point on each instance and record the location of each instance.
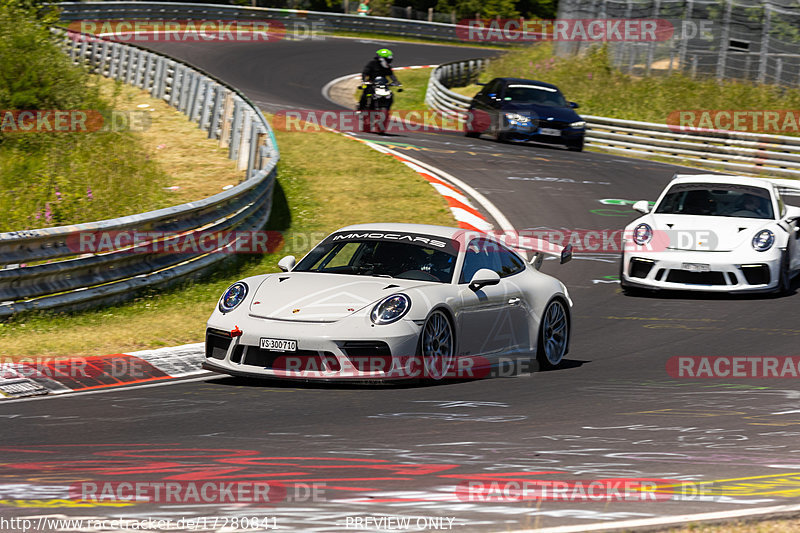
(715, 233)
(393, 301)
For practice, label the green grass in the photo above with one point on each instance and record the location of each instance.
(604, 91)
(351, 184)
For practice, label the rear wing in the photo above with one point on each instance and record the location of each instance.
(542, 248)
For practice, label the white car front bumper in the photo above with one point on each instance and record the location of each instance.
(727, 271)
(347, 350)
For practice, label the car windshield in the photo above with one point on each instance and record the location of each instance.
(535, 94)
(380, 258)
(718, 200)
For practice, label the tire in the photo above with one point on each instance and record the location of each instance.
(785, 279)
(382, 125)
(553, 340)
(437, 346)
(575, 146)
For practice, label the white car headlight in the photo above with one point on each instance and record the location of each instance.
(390, 309)
(516, 117)
(578, 124)
(642, 234)
(233, 297)
(763, 240)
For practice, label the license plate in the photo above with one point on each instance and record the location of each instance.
(278, 345)
(696, 267)
(550, 131)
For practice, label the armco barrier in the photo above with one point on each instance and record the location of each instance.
(293, 18)
(40, 271)
(748, 153)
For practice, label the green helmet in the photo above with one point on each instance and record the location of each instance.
(384, 53)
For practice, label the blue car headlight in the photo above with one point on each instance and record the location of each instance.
(516, 118)
(578, 124)
(390, 309)
(233, 296)
(763, 240)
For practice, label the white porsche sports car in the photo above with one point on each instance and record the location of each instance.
(393, 301)
(715, 233)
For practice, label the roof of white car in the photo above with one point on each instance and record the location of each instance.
(716, 178)
(424, 229)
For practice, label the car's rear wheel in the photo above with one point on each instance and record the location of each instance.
(437, 345)
(553, 335)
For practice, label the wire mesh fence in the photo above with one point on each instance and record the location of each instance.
(726, 39)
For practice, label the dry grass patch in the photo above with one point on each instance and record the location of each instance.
(194, 164)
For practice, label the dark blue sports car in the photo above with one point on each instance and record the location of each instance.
(515, 109)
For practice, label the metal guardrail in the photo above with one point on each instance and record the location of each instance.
(295, 19)
(40, 270)
(748, 153)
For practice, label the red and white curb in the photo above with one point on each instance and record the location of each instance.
(36, 376)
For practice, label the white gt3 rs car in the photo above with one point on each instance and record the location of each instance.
(393, 301)
(715, 233)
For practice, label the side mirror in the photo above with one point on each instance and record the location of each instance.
(566, 254)
(287, 263)
(574, 105)
(483, 277)
(642, 206)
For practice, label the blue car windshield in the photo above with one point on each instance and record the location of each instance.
(380, 258)
(534, 94)
(717, 200)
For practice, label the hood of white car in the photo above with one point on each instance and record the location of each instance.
(703, 233)
(319, 297)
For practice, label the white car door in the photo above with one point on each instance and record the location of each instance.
(493, 319)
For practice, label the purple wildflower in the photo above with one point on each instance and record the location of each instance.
(37, 215)
(58, 194)
(89, 194)
(48, 214)
(589, 75)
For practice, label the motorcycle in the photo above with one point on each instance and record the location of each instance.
(374, 114)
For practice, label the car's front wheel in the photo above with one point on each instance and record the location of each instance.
(785, 279)
(575, 146)
(553, 335)
(437, 345)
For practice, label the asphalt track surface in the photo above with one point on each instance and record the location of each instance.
(612, 412)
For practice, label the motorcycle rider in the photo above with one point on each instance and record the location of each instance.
(378, 66)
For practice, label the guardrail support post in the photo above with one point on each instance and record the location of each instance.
(227, 120)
